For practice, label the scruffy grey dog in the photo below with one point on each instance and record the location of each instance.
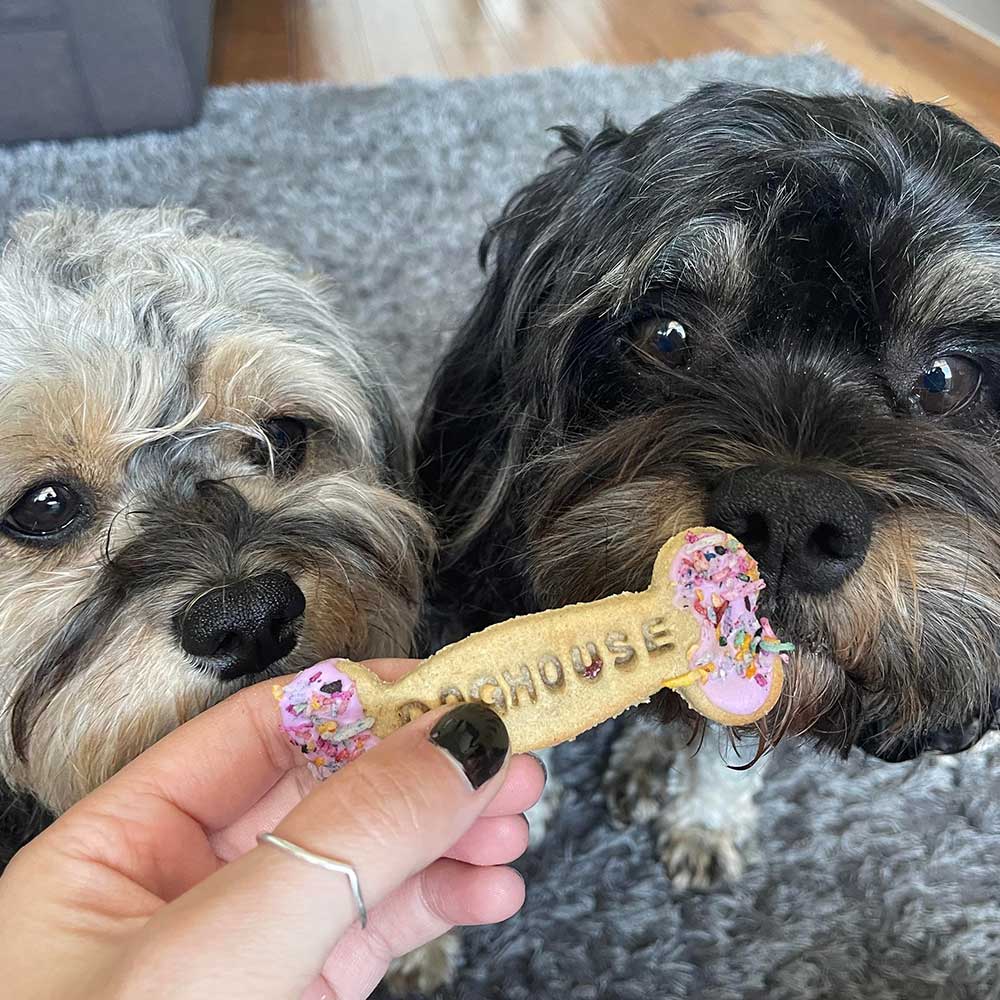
(202, 483)
(778, 315)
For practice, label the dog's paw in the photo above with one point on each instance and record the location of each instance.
(635, 783)
(698, 858)
(427, 969)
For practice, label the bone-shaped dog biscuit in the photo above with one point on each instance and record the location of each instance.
(554, 674)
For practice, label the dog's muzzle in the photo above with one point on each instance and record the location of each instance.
(808, 531)
(242, 628)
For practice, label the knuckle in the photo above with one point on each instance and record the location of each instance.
(395, 803)
(432, 900)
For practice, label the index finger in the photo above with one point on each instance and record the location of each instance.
(215, 767)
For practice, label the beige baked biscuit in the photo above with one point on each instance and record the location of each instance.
(554, 674)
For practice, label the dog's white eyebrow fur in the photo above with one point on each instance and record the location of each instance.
(709, 253)
(150, 435)
(84, 295)
(953, 284)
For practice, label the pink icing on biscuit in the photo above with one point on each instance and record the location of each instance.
(323, 716)
(718, 581)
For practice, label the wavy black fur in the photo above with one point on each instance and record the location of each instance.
(821, 251)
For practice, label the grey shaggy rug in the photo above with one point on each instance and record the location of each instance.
(873, 881)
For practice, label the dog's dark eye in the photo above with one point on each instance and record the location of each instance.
(665, 341)
(43, 511)
(285, 446)
(947, 384)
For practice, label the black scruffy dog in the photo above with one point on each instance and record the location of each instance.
(775, 314)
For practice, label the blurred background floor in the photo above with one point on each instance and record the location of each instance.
(903, 44)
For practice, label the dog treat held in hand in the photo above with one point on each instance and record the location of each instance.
(554, 674)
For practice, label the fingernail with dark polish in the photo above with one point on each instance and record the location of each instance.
(476, 737)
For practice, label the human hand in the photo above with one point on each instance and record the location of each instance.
(154, 885)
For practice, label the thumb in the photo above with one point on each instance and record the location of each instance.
(389, 815)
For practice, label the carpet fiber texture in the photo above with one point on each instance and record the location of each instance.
(872, 881)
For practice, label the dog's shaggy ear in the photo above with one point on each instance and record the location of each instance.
(475, 412)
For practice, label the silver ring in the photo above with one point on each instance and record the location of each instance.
(320, 861)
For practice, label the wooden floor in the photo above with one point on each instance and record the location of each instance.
(903, 44)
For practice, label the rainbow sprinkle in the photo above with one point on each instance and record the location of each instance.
(322, 716)
(718, 580)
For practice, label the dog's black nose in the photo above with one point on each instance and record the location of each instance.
(807, 530)
(243, 628)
